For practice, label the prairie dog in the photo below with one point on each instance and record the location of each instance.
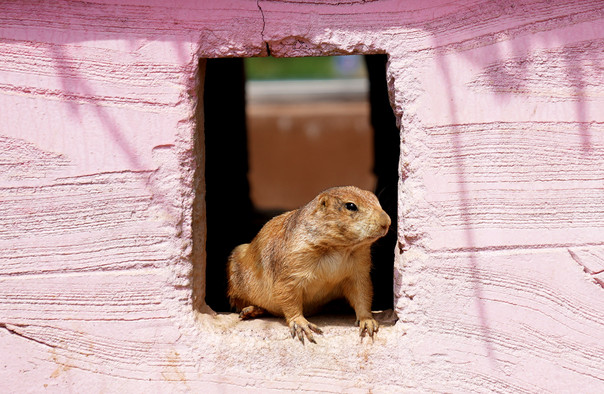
(307, 257)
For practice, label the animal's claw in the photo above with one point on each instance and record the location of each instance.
(301, 327)
(368, 325)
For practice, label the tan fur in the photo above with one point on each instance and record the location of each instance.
(304, 258)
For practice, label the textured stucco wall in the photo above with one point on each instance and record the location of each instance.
(500, 262)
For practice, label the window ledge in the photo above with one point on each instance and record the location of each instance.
(336, 328)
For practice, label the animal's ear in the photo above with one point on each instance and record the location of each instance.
(324, 201)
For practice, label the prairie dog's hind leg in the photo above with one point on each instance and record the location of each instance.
(252, 311)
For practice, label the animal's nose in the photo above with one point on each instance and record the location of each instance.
(385, 221)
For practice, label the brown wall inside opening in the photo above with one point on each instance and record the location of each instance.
(341, 156)
(298, 149)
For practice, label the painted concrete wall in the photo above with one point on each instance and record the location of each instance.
(500, 267)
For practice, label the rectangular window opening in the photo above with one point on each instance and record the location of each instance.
(275, 133)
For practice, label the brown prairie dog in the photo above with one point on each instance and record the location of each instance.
(307, 257)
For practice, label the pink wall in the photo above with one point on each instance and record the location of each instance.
(500, 267)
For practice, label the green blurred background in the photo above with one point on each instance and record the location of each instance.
(329, 67)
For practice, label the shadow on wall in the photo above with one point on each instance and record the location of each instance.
(76, 90)
(231, 216)
(560, 74)
(463, 196)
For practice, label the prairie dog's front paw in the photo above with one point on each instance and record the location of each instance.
(368, 325)
(299, 326)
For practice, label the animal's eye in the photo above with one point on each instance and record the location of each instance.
(351, 206)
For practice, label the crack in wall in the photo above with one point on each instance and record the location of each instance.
(268, 49)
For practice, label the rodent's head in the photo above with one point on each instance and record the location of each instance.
(348, 216)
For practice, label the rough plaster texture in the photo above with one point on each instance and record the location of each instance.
(500, 262)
